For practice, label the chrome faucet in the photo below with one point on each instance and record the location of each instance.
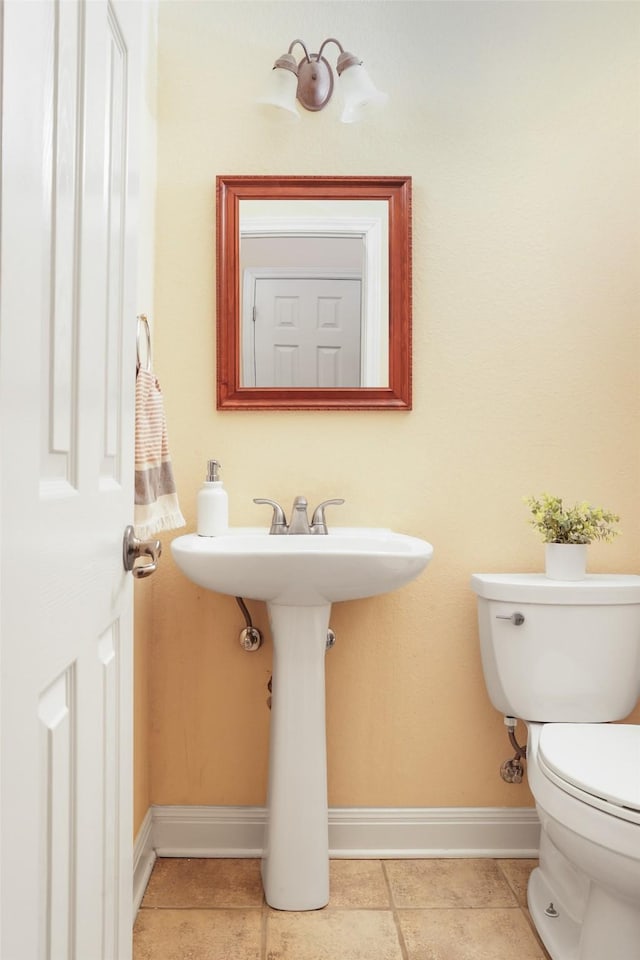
(299, 522)
(299, 518)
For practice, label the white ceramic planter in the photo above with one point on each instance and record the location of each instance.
(566, 561)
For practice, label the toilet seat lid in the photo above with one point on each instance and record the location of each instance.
(597, 762)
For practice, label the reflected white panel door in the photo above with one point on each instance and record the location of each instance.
(307, 332)
(67, 370)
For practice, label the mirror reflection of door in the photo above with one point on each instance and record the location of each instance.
(304, 330)
(294, 239)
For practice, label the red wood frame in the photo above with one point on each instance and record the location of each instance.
(230, 394)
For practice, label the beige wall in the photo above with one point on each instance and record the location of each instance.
(519, 125)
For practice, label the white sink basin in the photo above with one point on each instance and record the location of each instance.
(307, 570)
(299, 576)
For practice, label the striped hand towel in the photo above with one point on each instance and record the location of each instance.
(156, 500)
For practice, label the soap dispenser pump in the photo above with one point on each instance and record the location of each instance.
(213, 504)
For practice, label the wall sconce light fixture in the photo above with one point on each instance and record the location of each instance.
(311, 83)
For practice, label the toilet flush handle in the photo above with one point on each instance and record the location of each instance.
(516, 618)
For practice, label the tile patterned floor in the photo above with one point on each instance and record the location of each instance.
(379, 910)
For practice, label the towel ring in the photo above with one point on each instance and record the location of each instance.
(143, 326)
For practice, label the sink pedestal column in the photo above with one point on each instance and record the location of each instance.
(295, 865)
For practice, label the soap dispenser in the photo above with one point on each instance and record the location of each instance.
(213, 504)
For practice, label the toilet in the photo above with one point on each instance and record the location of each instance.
(564, 656)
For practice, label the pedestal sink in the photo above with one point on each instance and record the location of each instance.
(299, 577)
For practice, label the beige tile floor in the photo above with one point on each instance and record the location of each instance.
(379, 910)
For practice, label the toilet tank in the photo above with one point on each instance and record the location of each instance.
(575, 657)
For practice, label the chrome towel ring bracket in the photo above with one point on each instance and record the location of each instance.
(143, 343)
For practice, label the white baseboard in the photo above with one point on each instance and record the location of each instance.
(354, 832)
(144, 856)
(361, 833)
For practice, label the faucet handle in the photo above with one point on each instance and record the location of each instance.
(318, 522)
(279, 520)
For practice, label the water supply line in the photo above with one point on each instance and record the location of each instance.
(250, 637)
(512, 771)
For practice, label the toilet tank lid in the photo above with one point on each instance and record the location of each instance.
(596, 588)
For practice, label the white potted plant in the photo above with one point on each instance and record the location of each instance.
(566, 531)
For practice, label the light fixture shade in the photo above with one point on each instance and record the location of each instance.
(281, 92)
(359, 93)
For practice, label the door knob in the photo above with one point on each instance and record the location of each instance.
(134, 549)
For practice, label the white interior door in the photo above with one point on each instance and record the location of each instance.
(67, 369)
(306, 332)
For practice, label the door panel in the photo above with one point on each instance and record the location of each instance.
(307, 332)
(67, 370)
